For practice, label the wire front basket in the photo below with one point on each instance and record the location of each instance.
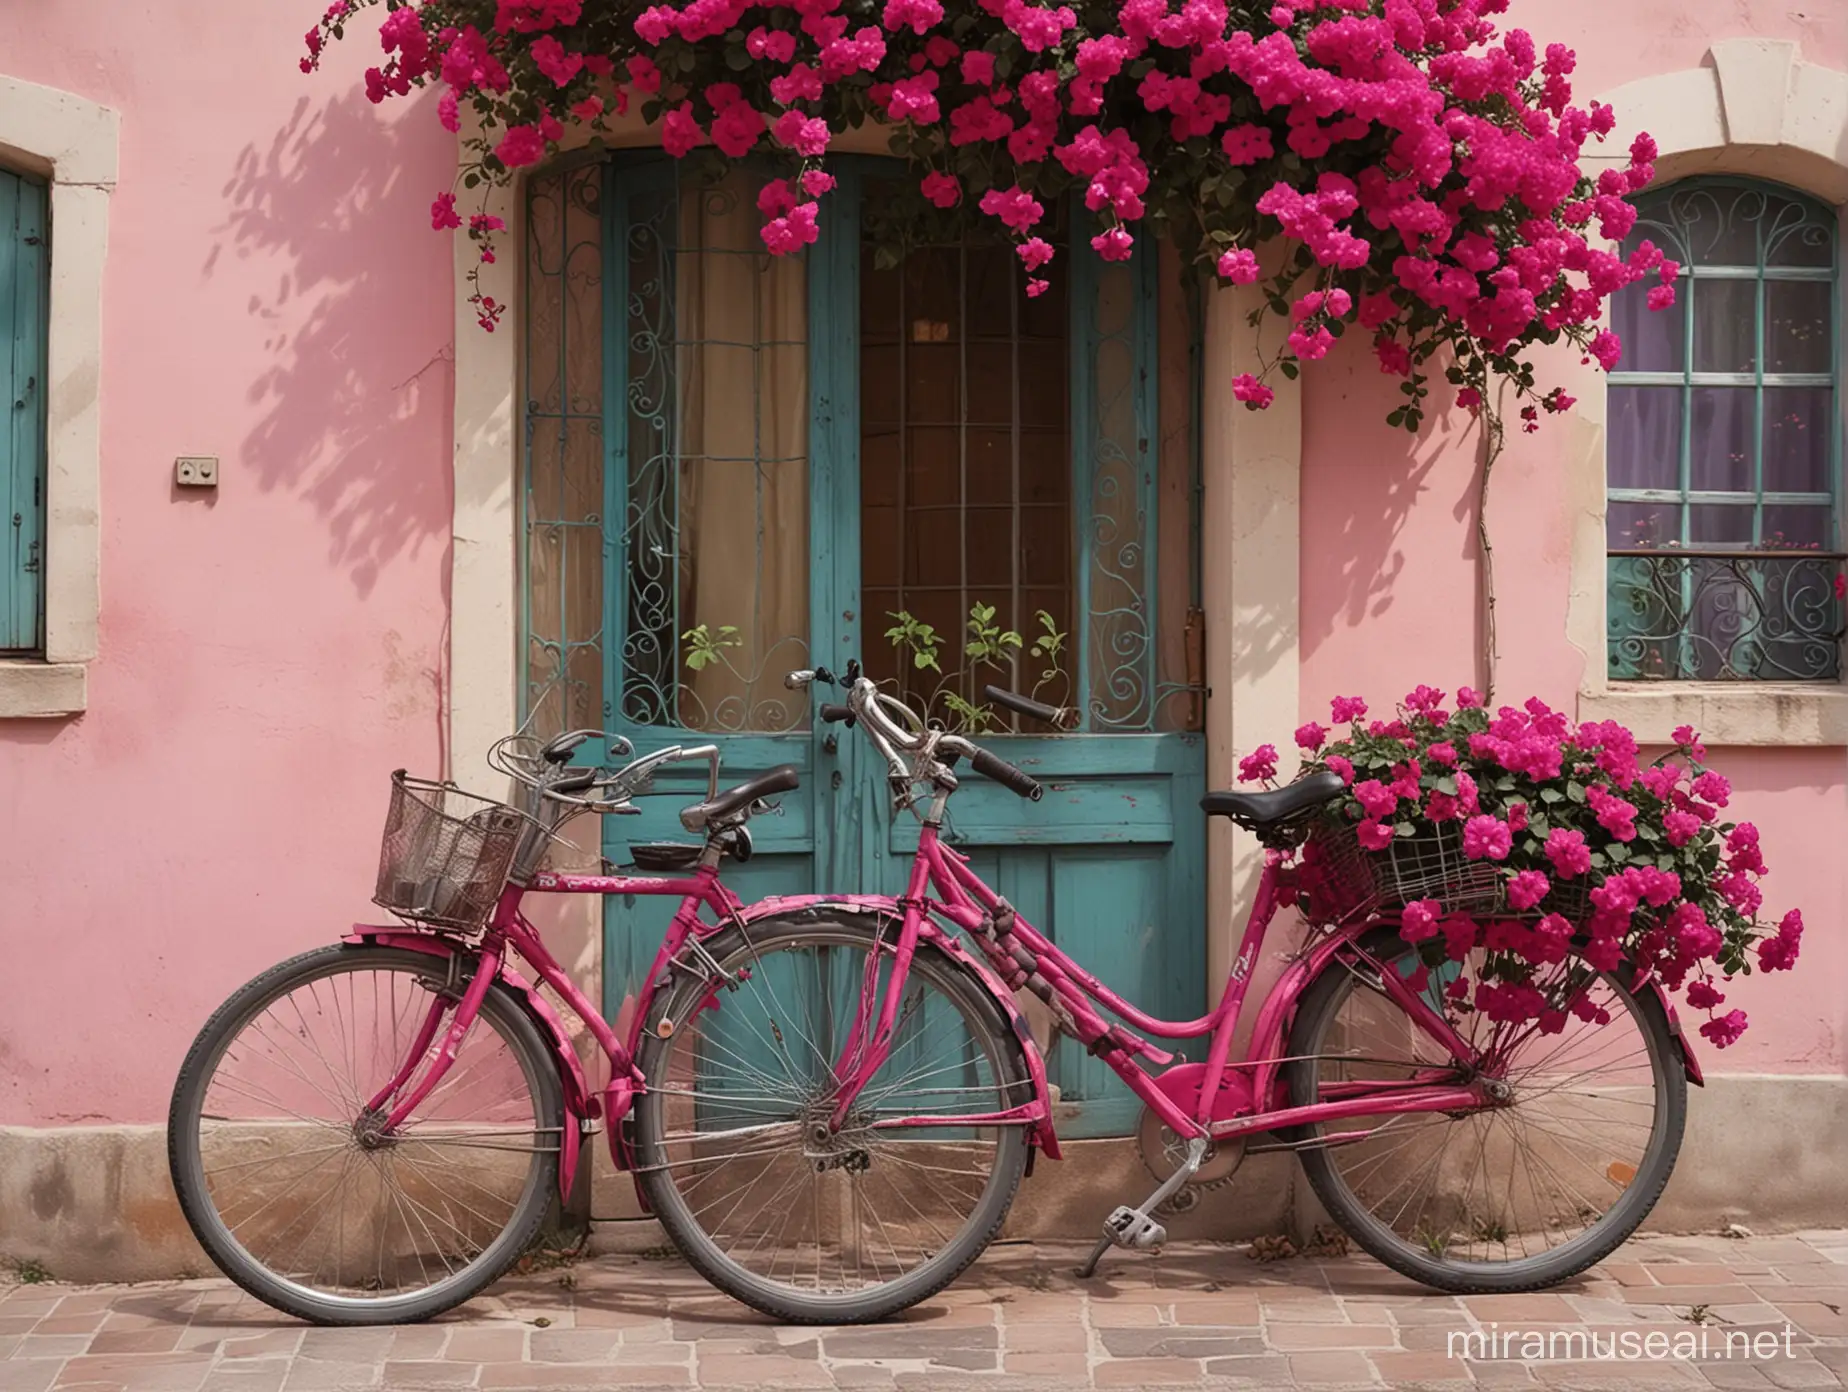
(445, 855)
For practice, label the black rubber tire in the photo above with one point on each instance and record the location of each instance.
(506, 1012)
(675, 1001)
(1313, 1014)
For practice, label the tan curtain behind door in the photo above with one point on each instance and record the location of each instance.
(741, 365)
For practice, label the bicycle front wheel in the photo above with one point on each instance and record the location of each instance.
(746, 1054)
(285, 1178)
(1511, 1197)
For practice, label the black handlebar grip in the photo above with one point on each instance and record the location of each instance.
(559, 751)
(576, 782)
(837, 715)
(1023, 705)
(1016, 781)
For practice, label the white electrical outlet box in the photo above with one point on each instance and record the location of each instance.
(196, 471)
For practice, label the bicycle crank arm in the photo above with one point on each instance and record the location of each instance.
(1134, 1227)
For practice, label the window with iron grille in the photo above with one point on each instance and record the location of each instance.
(24, 294)
(1724, 443)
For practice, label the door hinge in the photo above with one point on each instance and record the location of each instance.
(1196, 668)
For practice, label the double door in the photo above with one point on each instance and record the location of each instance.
(739, 465)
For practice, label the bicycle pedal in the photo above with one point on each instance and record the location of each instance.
(1130, 1227)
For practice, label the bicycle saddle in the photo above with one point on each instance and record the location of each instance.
(778, 780)
(1266, 809)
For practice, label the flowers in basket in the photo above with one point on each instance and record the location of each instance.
(1516, 840)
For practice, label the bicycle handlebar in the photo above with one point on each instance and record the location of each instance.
(874, 711)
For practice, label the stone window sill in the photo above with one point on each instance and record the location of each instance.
(31, 689)
(1775, 714)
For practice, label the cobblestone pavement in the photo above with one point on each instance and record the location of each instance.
(1194, 1315)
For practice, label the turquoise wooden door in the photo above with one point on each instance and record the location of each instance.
(738, 465)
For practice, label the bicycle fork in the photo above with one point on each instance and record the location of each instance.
(369, 1128)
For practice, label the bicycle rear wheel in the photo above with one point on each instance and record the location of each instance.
(732, 1138)
(1507, 1198)
(284, 1180)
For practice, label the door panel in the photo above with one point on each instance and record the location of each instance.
(1002, 553)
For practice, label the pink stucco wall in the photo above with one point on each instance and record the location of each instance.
(273, 296)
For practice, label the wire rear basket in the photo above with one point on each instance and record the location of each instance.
(445, 855)
(1344, 880)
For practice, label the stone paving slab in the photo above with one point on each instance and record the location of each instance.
(1759, 1312)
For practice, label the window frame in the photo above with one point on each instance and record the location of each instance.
(1754, 565)
(71, 142)
(22, 581)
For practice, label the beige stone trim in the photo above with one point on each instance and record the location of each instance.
(73, 142)
(1251, 532)
(1755, 108)
(29, 688)
(484, 557)
(1766, 713)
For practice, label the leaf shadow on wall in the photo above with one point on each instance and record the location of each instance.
(357, 383)
(1362, 482)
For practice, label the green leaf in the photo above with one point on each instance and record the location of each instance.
(1576, 791)
(1551, 795)
(1288, 369)
(1618, 852)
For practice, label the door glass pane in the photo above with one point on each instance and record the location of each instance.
(565, 451)
(965, 483)
(715, 527)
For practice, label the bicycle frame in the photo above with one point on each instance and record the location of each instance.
(1214, 1098)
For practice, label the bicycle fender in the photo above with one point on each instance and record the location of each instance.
(1654, 983)
(579, 1101)
(1043, 1134)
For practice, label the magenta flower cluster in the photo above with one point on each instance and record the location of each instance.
(1600, 855)
(1425, 165)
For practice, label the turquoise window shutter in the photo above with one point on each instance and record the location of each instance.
(24, 291)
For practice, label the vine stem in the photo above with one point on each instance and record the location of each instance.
(1492, 441)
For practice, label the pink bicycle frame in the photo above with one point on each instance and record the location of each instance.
(1191, 1099)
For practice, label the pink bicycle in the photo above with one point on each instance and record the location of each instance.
(830, 1101)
